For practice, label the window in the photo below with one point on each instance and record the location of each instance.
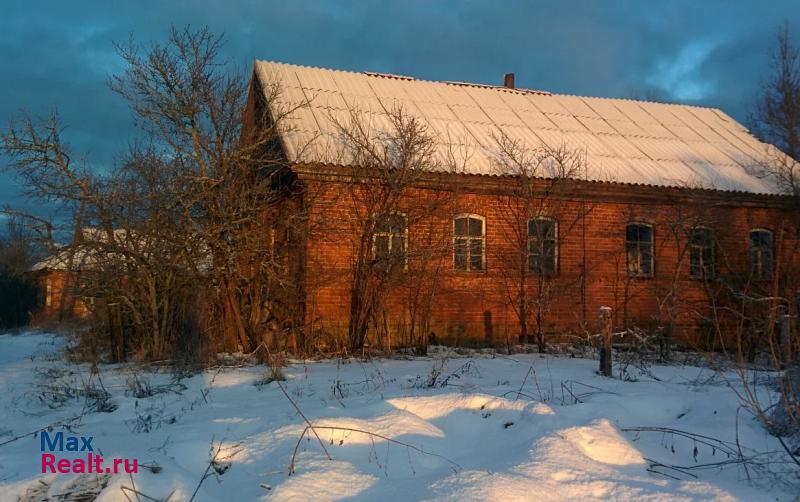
(639, 249)
(468, 242)
(48, 302)
(390, 239)
(701, 253)
(542, 241)
(761, 254)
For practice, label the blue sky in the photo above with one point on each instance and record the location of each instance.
(713, 52)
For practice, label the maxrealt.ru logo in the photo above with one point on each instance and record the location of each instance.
(59, 443)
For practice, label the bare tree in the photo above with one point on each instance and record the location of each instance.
(675, 302)
(192, 108)
(534, 218)
(387, 209)
(767, 310)
(777, 113)
(18, 250)
(753, 314)
(176, 249)
(18, 292)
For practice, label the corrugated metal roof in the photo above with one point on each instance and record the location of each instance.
(625, 141)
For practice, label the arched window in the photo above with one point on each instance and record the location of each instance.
(701, 252)
(469, 242)
(761, 254)
(390, 239)
(639, 249)
(542, 245)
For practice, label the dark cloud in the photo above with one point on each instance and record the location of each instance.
(59, 54)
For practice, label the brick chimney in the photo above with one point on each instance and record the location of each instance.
(508, 80)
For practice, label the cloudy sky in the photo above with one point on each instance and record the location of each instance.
(59, 54)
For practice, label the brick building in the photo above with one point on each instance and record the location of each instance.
(666, 213)
(59, 295)
(60, 278)
(668, 209)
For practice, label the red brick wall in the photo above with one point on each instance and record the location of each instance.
(591, 259)
(57, 296)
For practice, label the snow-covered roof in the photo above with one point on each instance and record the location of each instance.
(82, 257)
(95, 248)
(625, 141)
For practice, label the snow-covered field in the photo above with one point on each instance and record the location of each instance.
(471, 436)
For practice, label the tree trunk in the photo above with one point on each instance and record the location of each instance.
(540, 343)
(235, 317)
(115, 330)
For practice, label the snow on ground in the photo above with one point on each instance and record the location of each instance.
(472, 439)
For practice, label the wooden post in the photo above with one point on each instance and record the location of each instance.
(605, 349)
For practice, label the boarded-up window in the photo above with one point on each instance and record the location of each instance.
(701, 252)
(639, 249)
(469, 242)
(761, 254)
(542, 245)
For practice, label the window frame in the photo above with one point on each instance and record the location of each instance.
(48, 285)
(705, 272)
(390, 234)
(468, 262)
(556, 242)
(652, 272)
(760, 276)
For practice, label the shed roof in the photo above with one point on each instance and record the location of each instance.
(625, 141)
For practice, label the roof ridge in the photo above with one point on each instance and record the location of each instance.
(411, 78)
(521, 90)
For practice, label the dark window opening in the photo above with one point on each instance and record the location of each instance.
(389, 239)
(701, 253)
(761, 254)
(639, 249)
(542, 245)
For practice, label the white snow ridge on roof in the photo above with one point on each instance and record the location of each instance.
(625, 141)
